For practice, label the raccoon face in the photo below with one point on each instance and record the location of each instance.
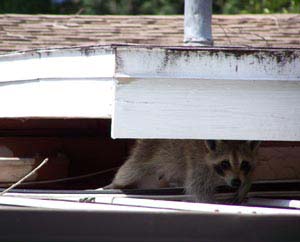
(234, 161)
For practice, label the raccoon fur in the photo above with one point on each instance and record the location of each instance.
(198, 166)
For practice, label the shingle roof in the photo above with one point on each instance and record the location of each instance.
(23, 32)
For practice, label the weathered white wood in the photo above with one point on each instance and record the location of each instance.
(207, 109)
(217, 94)
(65, 63)
(204, 207)
(199, 93)
(146, 205)
(208, 63)
(76, 206)
(285, 203)
(67, 83)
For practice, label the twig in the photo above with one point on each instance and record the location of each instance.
(261, 37)
(225, 32)
(25, 177)
(67, 178)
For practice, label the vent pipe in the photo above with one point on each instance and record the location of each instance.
(197, 22)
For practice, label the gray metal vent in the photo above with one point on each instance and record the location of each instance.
(197, 22)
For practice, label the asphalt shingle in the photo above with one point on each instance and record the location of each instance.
(23, 32)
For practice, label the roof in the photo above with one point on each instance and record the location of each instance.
(23, 32)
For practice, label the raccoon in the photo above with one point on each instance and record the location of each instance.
(193, 164)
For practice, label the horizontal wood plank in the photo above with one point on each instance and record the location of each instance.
(207, 109)
(207, 94)
(71, 98)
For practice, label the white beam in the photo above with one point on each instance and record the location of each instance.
(59, 83)
(57, 98)
(58, 64)
(207, 94)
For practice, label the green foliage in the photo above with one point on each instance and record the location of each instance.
(258, 6)
(25, 6)
(132, 7)
(144, 6)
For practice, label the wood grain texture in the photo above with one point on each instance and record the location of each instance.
(207, 109)
(275, 162)
(212, 93)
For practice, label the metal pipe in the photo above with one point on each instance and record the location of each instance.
(197, 22)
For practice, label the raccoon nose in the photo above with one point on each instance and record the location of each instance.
(236, 183)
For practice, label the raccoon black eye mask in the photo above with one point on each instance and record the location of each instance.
(225, 165)
(220, 168)
(245, 167)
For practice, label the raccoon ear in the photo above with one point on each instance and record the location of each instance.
(211, 144)
(253, 144)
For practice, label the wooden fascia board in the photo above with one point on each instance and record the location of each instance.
(67, 83)
(160, 92)
(207, 94)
